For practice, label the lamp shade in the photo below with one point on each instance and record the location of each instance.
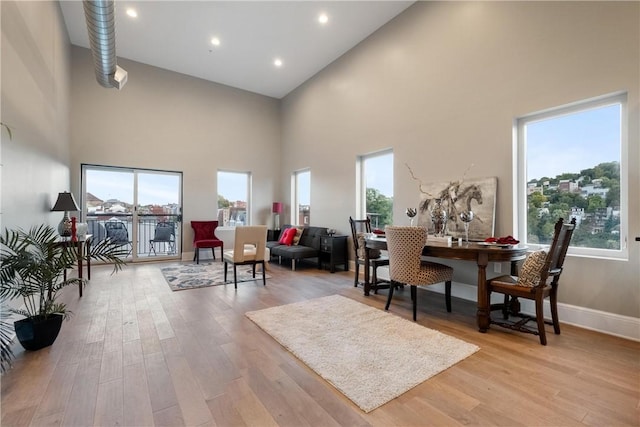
(277, 207)
(65, 203)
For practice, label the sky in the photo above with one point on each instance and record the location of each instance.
(573, 142)
(153, 188)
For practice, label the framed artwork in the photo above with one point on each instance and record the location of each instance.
(477, 195)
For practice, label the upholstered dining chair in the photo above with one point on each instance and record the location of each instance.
(537, 279)
(204, 237)
(359, 228)
(248, 248)
(408, 267)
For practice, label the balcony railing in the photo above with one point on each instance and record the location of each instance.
(146, 224)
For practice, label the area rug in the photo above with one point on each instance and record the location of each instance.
(191, 276)
(369, 355)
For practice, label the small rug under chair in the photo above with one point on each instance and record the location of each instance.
(370, 355)
(190, 276)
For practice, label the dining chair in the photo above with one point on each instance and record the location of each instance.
(204, 237)
(359, 229)
(165, 232)
(248, 248)
(407, 266)
(537, 279)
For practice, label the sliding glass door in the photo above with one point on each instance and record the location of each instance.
(137, 208)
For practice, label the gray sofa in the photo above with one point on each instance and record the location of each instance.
(307, 248)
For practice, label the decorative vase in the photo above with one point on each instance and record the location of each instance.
(38, 332)
(439, 218)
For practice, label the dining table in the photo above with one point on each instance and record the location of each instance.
(481, 252)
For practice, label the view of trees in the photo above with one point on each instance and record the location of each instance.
(598, 228)
(379, 208)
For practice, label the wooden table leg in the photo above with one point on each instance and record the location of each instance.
(367, 282)
(87, 243)
(80, 256)
(483, 295)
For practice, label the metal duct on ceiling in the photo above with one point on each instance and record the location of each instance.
(100, 18)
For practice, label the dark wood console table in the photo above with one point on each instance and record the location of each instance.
(481, 254)
(84, 250)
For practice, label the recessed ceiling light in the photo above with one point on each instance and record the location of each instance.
(215, 41)
(323, 18)
(277, 62)
(132, 13)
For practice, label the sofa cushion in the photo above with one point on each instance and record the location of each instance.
(294, 252)
(287, 236)
(311, 237)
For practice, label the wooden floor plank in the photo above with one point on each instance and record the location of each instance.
(110, 404)
(136, 353)
(137, 404)
(82, 402)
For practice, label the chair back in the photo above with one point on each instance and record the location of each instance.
(359, 227)
(558, 251)
(204, 230)
(117, 232)
(250, 243)
(164, 232)
(404, 245)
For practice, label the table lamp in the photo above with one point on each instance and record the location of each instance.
(65, 203)
(277, 210)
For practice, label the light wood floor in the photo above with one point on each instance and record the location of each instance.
(137, 354)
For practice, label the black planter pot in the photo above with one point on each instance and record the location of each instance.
(36, 332)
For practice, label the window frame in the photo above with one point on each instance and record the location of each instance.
(249, 176)
(295, 197)
(520, 172)
(361, 181)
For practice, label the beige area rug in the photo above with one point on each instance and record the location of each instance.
(370, 355)
(190, 276)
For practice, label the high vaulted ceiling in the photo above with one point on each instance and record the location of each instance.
(177, 36)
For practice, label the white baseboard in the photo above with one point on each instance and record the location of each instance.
(582, 317)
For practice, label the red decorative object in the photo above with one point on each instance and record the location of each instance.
(277, 207)
(74, 234)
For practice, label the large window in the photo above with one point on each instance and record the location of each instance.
(302, 197)
(234, 189)
(375, 188)
(572, 164)
(139, 209)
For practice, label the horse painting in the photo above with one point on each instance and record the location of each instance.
(477, 195)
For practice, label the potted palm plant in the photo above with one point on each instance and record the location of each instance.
(33, 265)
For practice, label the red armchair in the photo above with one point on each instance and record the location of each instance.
(204, 237)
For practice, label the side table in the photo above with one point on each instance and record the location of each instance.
(333, 250)
(84, 250)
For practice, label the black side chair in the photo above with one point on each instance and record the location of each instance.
(360, 227)
(117, 232)
(165, 232)
(538, 278)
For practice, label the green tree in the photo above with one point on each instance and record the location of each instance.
(222, 202)
(536, 199)
(594, 202)
(381, 205)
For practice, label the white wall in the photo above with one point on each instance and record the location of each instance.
(169, 121)
(441, 85)
(35, 104)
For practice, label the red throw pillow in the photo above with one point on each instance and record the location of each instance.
(283, 234)
(287, 236)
